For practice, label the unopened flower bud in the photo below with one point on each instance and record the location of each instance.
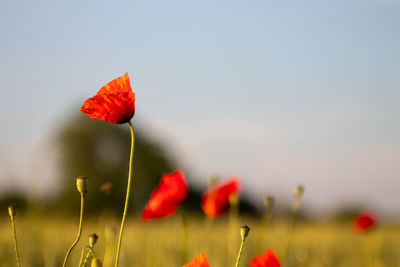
(82, 184)
(93, 239)
(96, 263)
(298, 191)
(269, 202)
(12, 209)
(244, 231)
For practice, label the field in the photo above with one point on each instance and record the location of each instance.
(44, 241)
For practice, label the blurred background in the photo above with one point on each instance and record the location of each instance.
(278, 93)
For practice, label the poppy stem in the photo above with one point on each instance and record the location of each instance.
(90, 249)
(244, 231)
(15, 240)
(264, 224)
(128, 189)
(240, 253)
(233, 224)
(79, 230)
(184, 240)
(292, 224)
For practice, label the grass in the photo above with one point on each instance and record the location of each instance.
(44, 241)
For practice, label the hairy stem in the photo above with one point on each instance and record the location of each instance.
(79, 231)
(240, 252)
(291, 226)
(15, 241)
(81, 261)
(128, 189)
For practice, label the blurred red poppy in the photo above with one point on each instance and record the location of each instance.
(114, 102)
(364, 222)
(166, 198)
(268, 259)
(216, 200)
(199, 261)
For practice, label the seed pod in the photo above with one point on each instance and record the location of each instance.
(82, 184)
(93, 239)
(244, 231)
(12, 209)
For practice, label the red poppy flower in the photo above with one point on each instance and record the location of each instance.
(166, 198)
(216, 200)
(364, 222)
(114, 102)
(199, 261)
(268, 259)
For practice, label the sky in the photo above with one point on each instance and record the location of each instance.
(277, 92)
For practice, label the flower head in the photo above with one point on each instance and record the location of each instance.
(199, 261)
(216, 200)
(268, 259)
(166, 198)
(114, 102)
(364, 222)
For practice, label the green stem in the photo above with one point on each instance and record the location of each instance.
(15, 241)
(128, 189)
(240, 253)
(86, 258)
(184, 240)
(263, 226)
(233, 224)
(87, 255)
(291, 226)
(79, 230)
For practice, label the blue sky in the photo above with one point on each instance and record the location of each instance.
(278, 92)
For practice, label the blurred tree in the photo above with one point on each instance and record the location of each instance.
(100, 151)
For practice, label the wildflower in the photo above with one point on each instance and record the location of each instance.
(216, 200)
(268, 259)
(199, 261)
(114, 102)
(166, 198)
(364, 222)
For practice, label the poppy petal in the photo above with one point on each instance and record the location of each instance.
(199, 261)
(166, 198)
(120, 84)
(216, 200)
(268, 259)
(114, 102)
(364, 222)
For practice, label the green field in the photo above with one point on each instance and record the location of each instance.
(43, 242)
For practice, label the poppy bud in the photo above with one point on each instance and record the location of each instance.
(96, 263)
(269, 202)
(244, 231)
(82, 184)
(298, 191)
(12, 209)
(93, 239)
